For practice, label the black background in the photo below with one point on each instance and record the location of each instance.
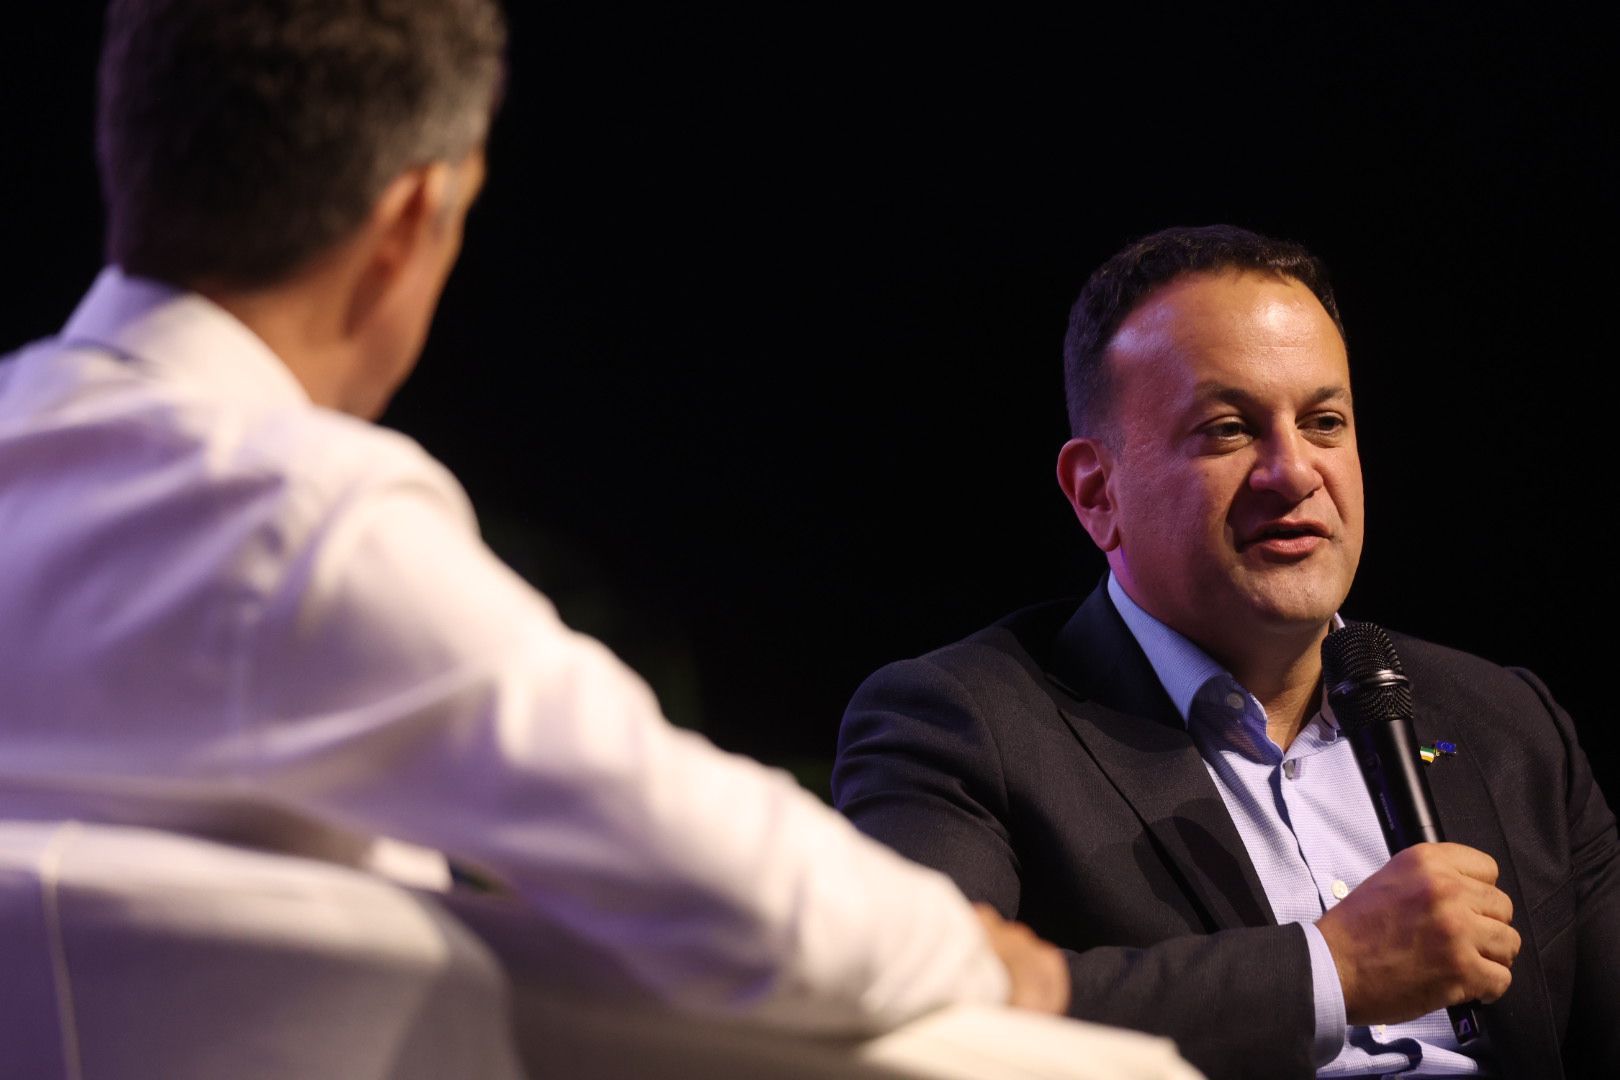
(752, 358)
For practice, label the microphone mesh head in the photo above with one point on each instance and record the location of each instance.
(1353, 658)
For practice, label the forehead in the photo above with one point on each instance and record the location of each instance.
(1241, 328)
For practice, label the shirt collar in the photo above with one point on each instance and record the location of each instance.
(1182, 667)
(180, 334)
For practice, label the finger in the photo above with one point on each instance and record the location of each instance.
(1490, 902)
(1470, 862)
(1491, 982)
(1497, 942)
(1057, 979)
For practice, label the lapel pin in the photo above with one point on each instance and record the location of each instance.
(1441, 750)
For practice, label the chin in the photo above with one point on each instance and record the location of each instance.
(1295, 607)
(1298, 615)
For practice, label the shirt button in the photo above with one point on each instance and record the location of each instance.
(1291, 768)
(1234, 700)
(1379, 1029)
(1340, 890)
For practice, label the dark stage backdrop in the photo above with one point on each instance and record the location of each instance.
(752, 359)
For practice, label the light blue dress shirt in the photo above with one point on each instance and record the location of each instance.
(1310, 829)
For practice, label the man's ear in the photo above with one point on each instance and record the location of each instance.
(1083, 469)
(405, 218)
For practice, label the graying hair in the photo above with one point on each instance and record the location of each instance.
(237, 139)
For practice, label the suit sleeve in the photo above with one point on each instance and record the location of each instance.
(1592, 1042)
(920, 769)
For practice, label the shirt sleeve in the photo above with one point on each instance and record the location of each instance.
(1328, 995)
(402, 681)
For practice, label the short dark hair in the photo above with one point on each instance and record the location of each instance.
(237, 139)
(1121, 284)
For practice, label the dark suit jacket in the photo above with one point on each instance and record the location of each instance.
(1041, 765)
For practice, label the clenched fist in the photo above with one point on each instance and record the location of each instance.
(1429, 929)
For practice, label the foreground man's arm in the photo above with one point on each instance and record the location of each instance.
(275, 625)
(439, 700)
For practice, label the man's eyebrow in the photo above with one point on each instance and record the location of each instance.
(1211, 390)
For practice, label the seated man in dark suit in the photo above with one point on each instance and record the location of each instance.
(1152, 780)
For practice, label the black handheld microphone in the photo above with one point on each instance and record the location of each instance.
(1372, 699)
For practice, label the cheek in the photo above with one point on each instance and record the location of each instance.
(1190, 491)
(1344, 485)
(1214, 490)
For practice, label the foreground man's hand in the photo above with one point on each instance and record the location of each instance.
(1429, 929)
(1035, 969)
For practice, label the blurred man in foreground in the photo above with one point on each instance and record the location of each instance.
(1151, 778)
(233, 607)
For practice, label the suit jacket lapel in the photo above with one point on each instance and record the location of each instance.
(1112, 700)
(1520, 1025)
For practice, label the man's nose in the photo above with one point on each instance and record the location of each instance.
(1286, 467)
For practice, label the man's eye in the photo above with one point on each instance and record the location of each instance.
(1225, 430)
(1327, 423)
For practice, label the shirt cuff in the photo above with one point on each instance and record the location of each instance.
(1328, 995)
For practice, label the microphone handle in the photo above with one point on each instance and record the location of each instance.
(1387, 752)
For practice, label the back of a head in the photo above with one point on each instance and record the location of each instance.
(1121, 284)
(239, 139)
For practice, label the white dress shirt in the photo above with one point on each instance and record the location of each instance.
(226, 610)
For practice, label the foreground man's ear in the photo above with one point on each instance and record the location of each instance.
(1084, 466)
(406, 220)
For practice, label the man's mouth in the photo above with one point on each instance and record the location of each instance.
(1286, 537)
